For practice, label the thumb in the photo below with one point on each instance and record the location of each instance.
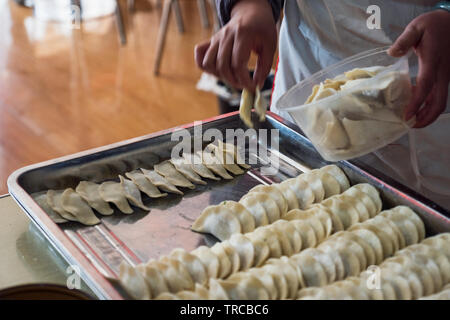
(199, 53)
(407, 40)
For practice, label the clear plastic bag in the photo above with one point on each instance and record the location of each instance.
(363, 115)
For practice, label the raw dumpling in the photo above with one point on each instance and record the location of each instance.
(168, 171)
(54, 201)
(245, 217)
(133, 282)
(161, 182)
(212, 163)
(197, 165)
(362, 132)
(186, 169)
(218, 221)
(132, 193)
(144, 184)
(338, 174)
(233, 150)
(113, 192)
(90, 192)
(363, 73)
(245, 109)
(224, 158)
(333, 135)
(260, 104)
(275, 194)
(41, 200)
(72, 202)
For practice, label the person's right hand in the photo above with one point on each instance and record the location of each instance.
(226, 55)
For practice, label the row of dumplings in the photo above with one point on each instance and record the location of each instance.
(181, 270)
(415, 272)
(215, 162)
(342, 255)
(265, 204)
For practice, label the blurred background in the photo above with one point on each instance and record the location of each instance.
(78, 74)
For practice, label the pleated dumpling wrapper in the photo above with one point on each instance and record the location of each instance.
(161, 182)
(171, 174)
(245, 109)
(197, 165)
(41, 200)
(224, 158)
(213, 164)
(233, 150)
(113, 192)
(55, 202)
(72, 202)
(132, 193)
(90, 192)
(144, 184)
(218, 221)
(260, 104)
(185, 168)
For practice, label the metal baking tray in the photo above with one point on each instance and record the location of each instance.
(99, 250)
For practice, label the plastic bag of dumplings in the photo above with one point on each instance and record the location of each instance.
(353, 107)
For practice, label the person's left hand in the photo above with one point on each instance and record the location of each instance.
(429, 36)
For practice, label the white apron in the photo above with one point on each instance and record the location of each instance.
(317, 33)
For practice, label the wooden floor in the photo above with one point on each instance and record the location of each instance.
(64, 90)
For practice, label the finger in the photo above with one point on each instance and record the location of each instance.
(239, 63)
(224, 62)
(199, 53)
(435, 104)
(407, 40)
(263, 65)
(425, 81)
(210, 59)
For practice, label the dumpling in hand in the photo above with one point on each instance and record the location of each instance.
(169, 172)
(245, 109)
(260, 104)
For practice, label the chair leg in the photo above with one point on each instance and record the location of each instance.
(131, 5)
(120, 24)
(215, 15)
(162, 33)
(178, 16)
(203, 13)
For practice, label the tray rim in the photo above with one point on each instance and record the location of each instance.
(98, 282)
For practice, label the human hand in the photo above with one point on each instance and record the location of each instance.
(428, 36)
(226, 55)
